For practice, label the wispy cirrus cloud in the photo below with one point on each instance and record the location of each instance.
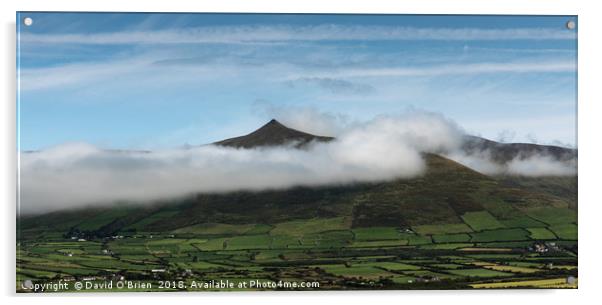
(135, 70)
(455, 69)
(282, 33)
(332, 80)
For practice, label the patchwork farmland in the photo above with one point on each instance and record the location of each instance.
(481, 252)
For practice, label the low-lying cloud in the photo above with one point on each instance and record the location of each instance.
(532, 165)
(387, 147)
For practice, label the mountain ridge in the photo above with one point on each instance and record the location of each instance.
(504, 152)
(275, 133)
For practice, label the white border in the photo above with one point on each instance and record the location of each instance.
(589, 148)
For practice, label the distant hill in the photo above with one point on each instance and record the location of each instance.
(504, 152)
(273, 134)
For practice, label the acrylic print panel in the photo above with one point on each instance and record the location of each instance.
(201, 152)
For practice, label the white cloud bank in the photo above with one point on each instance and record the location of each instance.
(384, 148)
(534, 165)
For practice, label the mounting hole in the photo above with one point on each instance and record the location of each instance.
(570, 24)
(27, 21)
(27, 284)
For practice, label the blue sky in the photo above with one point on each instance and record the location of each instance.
(163, 80)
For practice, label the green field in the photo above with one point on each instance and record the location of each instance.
(552, 216)
(451, 238)
(379, 243)
(376, 233)
(565, 231)
(442, 229)
(522, 222)
(500, 235)
(356, 271)
(482, 220)
(541, 233)
(479, 272)
(249, 242)
(224, 229)
(301, 227)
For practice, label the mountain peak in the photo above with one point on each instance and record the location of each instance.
(273, 133)
(273, 123)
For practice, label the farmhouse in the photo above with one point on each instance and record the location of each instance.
(539, 248)
(552, 246)
(544, 247)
